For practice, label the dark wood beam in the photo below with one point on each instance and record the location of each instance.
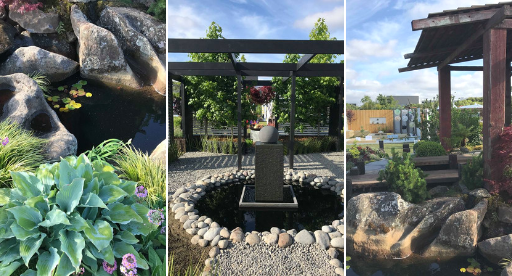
(239, 118)
(257, 83)
(303, 60)
(434, 64)
(506, 24)
(269, 46)
(496, 19)
(466, 68)
(234, 62)
(233, 73)
(452, 19)
(436, 52)
(255, 66)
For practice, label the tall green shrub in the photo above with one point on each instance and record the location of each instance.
(473, 172)
(20, 151)
(404, 178)
(428, 148)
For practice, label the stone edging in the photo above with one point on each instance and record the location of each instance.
(205, 231)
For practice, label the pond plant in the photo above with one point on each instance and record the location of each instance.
(77, 217)
(65, 102)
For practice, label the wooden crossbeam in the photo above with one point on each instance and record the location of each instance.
(496, 19)
(436, 52)
(255, 66)
(452, 19)
(434, 64)
(232, 73)
(234, 62)
(303, 60)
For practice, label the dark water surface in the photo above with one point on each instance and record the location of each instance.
(316, 208)
(116, 112)
(417, 266)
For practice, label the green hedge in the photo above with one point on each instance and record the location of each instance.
(428, 148)
(313, 145)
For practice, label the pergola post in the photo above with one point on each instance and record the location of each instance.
(340, 111)
(495, 82)
(171, 120)
(239, 118)
(186, 117)
(292, 122)
(508, 92)
(445, 107)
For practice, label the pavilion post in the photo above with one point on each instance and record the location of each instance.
(495, 82)
(239, 118)
(508, 92)
(340, 112)
(292, 122)
(171, 119)
(445, 107)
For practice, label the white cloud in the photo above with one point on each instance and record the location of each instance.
(421, 9)
(358, 49)
(335, 19)
(257, 27)
(186, 22)
(239, 1)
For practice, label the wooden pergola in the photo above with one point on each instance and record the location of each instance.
(253, 70)
(467, 34)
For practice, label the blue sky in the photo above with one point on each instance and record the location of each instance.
(379, 34)
(253, 19)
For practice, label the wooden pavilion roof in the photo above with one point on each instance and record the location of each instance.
(454, 36)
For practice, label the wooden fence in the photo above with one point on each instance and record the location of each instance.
(372, 120)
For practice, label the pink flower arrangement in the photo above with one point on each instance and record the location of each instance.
(21, 6)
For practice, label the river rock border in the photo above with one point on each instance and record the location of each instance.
(205, 231)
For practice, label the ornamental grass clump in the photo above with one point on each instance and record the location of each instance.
(76, 217)
(20, 150)
(136, 165)
(404, 178)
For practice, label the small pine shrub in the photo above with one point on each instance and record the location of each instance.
(404, 178)
(428, 148)
(473, 172)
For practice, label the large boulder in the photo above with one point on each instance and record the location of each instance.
(496, 249)
(55, 44)
(459, 235)
(100, 54)
(28, 107)
(141, 37)
(36, 21)
(7, 33)
(383, 225)
(507, 271)
(34, 59)
(159, 154)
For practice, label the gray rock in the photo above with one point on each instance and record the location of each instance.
(34, 59)
(176, 206)
(195, 239)
(480, 193)
(304, 237)
(7, 33)
(339, 271)
(55, 44)
(382, 224)
(336, 234)
(211, 233)
(191, 231)
(460, 234)
(36, 21)
(214, 252)
(236, 236)
(252, 239)
(100, 54)
(28, 106)
(327, 229)
(223, 244)
(285, 240)
(271, 239)
(335, 263)
(275, 230)
(215, 240)
(505, 214)
(188, 224)
(507, 271)
(214, 225)
(292, 232)
(202, 242)
(183, 218)
(333, 253)
(322, 239)
(496, 249)
(338, 243)
(128, 25)
(202, 231)
(438, 190)
(224, 232)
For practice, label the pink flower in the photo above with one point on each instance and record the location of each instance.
(129, 261)
(109, 268)
(141, 192)
(5, 141)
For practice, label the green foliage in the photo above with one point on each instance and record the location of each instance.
(106, 150)
(174, 152)
(313, 95)
(381, 103)
(192, 269)
(466, 127)
(217, 145)
(42, 81)
(473, 172)
(60, 28)
(65, 102)
(404, 178)
(158, 9)
(429, 128)
(137, 166)
(475, 268)
(23, 152)
(215, 98)
(75, 214)
(313, 145)
(428, 148)
(354, 151)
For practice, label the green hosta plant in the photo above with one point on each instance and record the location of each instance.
(72, 216)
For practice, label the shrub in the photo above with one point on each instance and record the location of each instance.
(404, 178)
(313, 145)
(137, 166)
(174, 152)
(73, 216)
(158, 9)
(428, 148)
(20, 151)
(473, 172)
(218, 145)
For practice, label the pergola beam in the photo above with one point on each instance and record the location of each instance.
(255, 46)
(303, 60)
(255, 66)
(452, 19)
(436, 64)
(233, 73)
(496, 19)
(234, 62)
(436, 52)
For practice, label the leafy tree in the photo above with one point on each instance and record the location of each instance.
(381, 103)
(214, 98)
(313, 95)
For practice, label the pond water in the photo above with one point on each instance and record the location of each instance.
(316, 208)
(116, 112)
(417, 266)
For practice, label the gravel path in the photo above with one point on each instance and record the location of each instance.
(261, 259)
(195, 165)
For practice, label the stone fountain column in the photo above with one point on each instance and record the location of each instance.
(269, 162)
